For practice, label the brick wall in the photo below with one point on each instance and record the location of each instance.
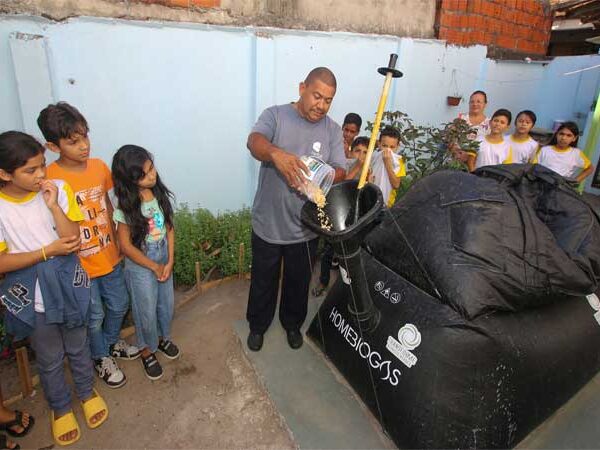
(510, 28)
(183, 3)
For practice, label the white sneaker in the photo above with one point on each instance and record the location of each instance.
(109, 372)
(123, 350)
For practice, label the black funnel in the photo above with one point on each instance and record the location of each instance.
(346, 235)
(341, 201)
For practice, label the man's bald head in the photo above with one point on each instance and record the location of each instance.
(322, 74)
(316, 94)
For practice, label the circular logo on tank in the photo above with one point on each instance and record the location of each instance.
(396, 297)
(409, 336)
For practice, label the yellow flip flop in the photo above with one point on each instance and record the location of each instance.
(63, 425)
(92, 407)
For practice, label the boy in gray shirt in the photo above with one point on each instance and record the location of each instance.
(279, 138)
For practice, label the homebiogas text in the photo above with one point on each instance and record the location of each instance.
(364, 349)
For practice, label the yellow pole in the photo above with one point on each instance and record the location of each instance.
(592, 140)
(382, 101)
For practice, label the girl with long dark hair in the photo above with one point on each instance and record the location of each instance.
(147, 239)
(563, 156)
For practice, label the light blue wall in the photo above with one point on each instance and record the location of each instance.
(569, 96)
(515, 86)
(190, 93)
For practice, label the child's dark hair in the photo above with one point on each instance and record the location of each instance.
(16, 149)
(390, 132)
(503, 113)
(61, 121)
(353, 118)
(127, 170)
(479, 92)
(571, 126)
(527, 113)
(360, 140)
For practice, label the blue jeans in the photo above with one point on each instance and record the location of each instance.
(108, 307)
(151, 301)
(51, 343)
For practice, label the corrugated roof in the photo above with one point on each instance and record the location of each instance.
(587, 11)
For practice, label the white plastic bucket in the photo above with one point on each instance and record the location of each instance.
(320, 175)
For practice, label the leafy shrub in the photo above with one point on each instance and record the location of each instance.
(212, 241)
(425, 148)
(461, 133)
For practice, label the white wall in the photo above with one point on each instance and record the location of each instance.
(190, 93)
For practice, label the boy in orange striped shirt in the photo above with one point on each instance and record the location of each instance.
(66, 133)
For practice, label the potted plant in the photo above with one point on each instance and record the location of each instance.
(455, 98)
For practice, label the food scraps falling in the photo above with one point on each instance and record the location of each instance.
(323, 219)
(315, 193)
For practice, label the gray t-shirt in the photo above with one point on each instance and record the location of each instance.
(276, 209)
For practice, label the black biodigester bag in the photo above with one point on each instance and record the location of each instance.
(512, 238)
(486, 324)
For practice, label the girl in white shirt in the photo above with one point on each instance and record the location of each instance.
(562, 155)
(493, 148)
(522, 144)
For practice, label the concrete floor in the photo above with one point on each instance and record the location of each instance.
(320, 409)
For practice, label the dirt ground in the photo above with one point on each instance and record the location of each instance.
(209, 398)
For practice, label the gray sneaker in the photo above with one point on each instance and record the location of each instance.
(109, 372)
(123, 350)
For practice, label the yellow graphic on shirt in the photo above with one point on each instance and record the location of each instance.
(95, 228)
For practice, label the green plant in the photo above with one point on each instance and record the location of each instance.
(425, 148)
(212, 241)
(235, 229)
(460, 133)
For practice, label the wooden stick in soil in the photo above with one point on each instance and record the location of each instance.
(34, 382)
(241, 261)
(198, 277)
(24, 371)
